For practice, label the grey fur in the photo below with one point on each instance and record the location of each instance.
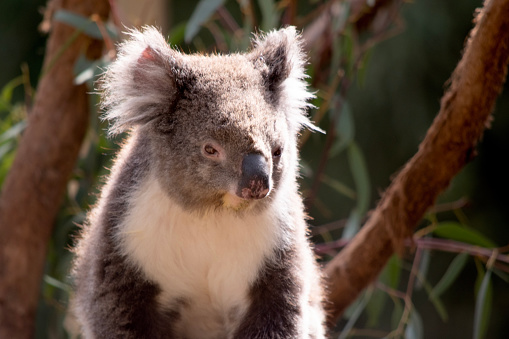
(192, 119)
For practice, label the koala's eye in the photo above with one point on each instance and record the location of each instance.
(213, 151)
(210, 150)
(277, 152)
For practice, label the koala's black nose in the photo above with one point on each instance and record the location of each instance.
(255, 181)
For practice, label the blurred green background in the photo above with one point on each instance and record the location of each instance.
(388, 104)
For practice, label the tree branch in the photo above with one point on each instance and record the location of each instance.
(448, 146)
(33, 190)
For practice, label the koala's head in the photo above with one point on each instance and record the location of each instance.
(222, 128)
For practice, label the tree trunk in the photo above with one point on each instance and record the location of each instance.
(33, 190)
(448, 146)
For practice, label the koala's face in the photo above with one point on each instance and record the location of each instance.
(226, 143)
(223, 129)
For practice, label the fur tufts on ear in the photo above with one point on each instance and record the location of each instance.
(280, 57)
(140, 85)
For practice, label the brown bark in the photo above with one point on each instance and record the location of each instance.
(448, 146)
(33, 190)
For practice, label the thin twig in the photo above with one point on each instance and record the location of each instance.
(108, 42)
(449, 206)
(458, 247)
(227, 20)
(390, 291)
(409, 292)
(218, 37)
(436, 244)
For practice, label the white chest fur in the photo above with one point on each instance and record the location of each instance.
(205, 261)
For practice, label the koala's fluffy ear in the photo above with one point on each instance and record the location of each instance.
(280, 58)
(141, 84)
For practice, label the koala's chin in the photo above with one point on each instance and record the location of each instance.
(233, 202)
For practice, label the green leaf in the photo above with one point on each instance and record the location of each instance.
(362, 185)
(423, 268)
(6, 95)
(348, 46)
(83, 70)
(201, 14)
(56, 283)
(362, 68)
(5, 149)
(87, 70)
(391, 272)
(340, 21)
(13, 132)
(375, 307)
(270, 14)
(355, 312)
(435, 300)
(450, 275)
(483, 304)
(339, 187)
(247, 27)
(353, 224)
(414, 329)
(456, 231)
(82, 23)
(6, 159)
(397, 313)
(176, 36)
(439, 305)
(345, 128)
(360, 177)
(502, 275)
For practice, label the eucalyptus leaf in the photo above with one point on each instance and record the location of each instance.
(439, 305)
(83, 70)
(13, 132)
(360, 177)
(456, 231)
(391, 272)
(502, 275)
(397, 312)
(270, 14)
(87, 70)
(201, 14)
(339, 187)
(345, 128)
(347, 47)
(353, 225)
(7, 90)
(483, 304)
(356, 312)
(423, 268)
(176, 36)
(56, 283)
(340, 21)
(375, 307)
(414, 329)
(83, 24)
(363, 67)
(451, 274)
(4, 149)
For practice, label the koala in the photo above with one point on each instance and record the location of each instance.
(200, 230)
